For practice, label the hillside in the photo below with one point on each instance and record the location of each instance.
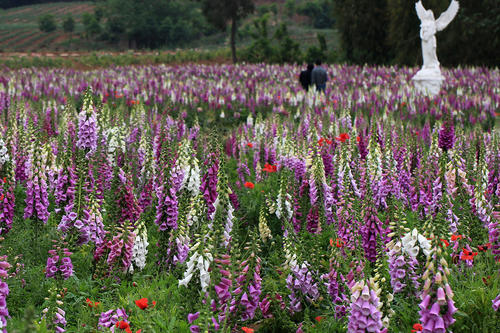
(19, 30)
(19, 27)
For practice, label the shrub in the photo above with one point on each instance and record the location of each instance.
(47, 23)
(69, 24)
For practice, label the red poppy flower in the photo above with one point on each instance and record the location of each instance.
(123, 325)
(339, 243)
(5, 179)
(468, 255)
(320, 142)
(445, 242)
(484, 247)
(250, 145)
(319, 319)
(249, 185)
(455, 237)
(486, 280)
(1, 197)
(331, 242)
(358, 139)
(247, 330)
(92, 304)
(270, 168)
(142, 303)
(343, 137)
(417, 328)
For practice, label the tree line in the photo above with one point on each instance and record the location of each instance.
(371, 31)
(5, 4)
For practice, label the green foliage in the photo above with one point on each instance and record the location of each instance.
(220, 12)
(319, 12)
(91, 24)
(152, 23)
(47, 23)
(68, 24)
(362, 25)
(280, 48)
(320, 52)
(290, 7)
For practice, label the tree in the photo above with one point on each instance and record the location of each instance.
(220, 12)
(69, 24)
(154, 23)
(363, 29)
(319, 12)
(47, 23)
(91, 24)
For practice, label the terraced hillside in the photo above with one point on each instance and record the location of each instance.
(19, 27)
(19, 31)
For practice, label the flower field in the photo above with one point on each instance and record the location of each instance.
(218, 198)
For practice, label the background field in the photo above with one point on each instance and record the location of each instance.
(19, 31)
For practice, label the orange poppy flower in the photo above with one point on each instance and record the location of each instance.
(249, 185)
(247, 330)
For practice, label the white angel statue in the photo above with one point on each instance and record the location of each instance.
(428, 28)
(428, 80)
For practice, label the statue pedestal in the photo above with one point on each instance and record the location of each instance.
(428, 81)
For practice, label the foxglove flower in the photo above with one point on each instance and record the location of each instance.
(87, 126)
(365, 315)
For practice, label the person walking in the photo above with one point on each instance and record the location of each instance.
(319, 77)
(305, 77)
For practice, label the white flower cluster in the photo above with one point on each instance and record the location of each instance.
(115, 140)
(288, 206)
(265, 232)
(4, 154)
(411, 247)
(140, 250)
(203, 264)
(189, 165)
(229, 225)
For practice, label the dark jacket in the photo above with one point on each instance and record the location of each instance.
(305, 78)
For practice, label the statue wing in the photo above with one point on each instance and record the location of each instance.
(447, 16)
(421, 12)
